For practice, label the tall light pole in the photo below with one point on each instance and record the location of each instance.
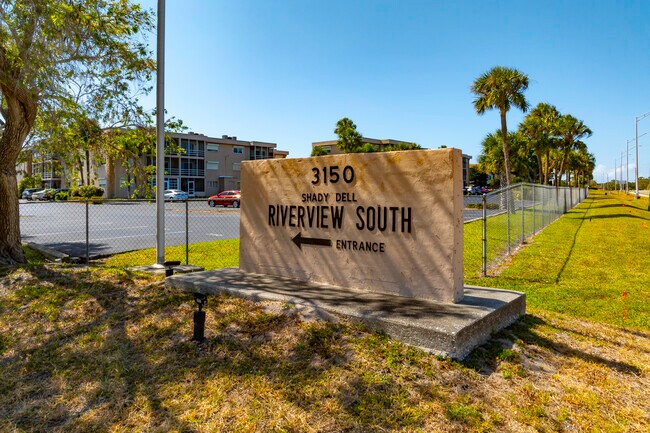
(621, 170)
(636, 164)
(627, 168)
(160, 136)
(636, 170)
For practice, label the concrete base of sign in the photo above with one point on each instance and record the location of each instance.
(449, 330)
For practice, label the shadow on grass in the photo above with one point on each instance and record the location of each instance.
(583, 216)
(621, 215)
(118, 366)
(126, 356)
(485, 358)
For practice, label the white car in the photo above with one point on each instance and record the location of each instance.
(175, 195)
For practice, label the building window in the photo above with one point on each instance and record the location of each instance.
(213, 184)
(213, 165)
(101, 182)
(235, 166)
(238, 149)
(214, 147)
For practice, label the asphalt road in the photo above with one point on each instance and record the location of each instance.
(115, 227)
(121, 226)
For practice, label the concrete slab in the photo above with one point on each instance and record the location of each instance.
(449, 330)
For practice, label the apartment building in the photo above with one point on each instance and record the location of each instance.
(332, 149)
(204, 166)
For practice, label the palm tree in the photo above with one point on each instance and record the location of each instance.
(570, 131)
(539, 127)
(582, 163)
(350, 140)
(492, 161)
(499, 88)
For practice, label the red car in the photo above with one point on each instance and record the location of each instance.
(226, 198)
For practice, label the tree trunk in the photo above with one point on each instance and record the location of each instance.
(506, 160)
(110, 177)
(87, 167)
(20, 117)
(80, 167)
(547, 169)
(506, 149)
(11, 251)
(28, 163)
(565, 155)
(538, 155)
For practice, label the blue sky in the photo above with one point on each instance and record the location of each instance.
(285, 71)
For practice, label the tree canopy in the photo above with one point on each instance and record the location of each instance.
(499, 89)
(63, 58)
(350, 140)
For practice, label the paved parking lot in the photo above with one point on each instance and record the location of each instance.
(121, 226)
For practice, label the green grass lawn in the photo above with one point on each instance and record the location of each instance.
(209, 255)
(593, 263)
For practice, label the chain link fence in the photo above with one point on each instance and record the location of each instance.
(508, 217)
(87, 230)
(496, 224)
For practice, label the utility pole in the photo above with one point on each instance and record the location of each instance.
(621, 170)
(636, 169)
(160, 136)
(627, 168)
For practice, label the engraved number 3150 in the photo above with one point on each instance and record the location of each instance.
(332, 174)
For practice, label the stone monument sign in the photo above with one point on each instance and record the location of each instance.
(389, 222)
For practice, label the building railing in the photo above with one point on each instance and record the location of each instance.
(193, 152)
(199, 172)
(49, 175)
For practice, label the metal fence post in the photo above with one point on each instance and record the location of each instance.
(523, 227)
(534, 205)
(508, 193)
(544, 203)
(187, 232)
(87, 234)
(484, 199)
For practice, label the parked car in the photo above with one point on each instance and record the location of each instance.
(27, 193)
(226, 198)
(175, 195)
(47, 193)
(41, 194)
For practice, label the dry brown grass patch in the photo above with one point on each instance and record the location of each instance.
(108, 350)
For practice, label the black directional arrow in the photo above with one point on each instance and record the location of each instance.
(299, 240)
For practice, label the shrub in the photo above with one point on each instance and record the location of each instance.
(87, 191)
(29, 182)
(61, 196)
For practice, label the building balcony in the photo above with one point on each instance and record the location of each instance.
(49, 175)
(191, 152)
(197, 172)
